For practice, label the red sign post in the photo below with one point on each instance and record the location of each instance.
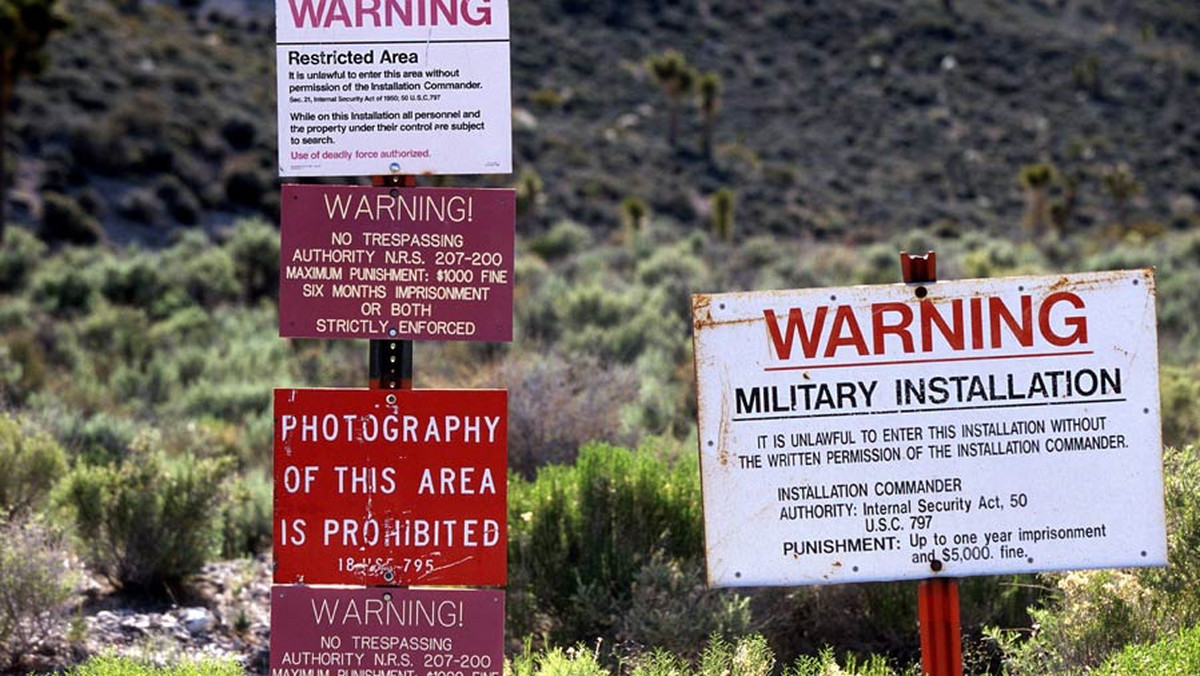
(937, 598)
(387, 631)
(384, 263)
(391, 487)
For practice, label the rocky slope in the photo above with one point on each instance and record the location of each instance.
(850, 119)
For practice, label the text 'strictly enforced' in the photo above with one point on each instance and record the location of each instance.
(373, 88)
(380, 263)
(967, 428)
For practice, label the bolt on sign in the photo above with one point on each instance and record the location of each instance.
(959, 428)
(395, 487)
(371, 88)
(380, 263)
(386, 631)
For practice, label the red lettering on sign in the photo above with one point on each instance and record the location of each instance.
(958, 324)
(391, 487)
(360, 13)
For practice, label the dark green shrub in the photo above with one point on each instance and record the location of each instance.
(1179, 583)
(34, 592)
(190, 326)
(1180, 391)
(239, 132)
(141, 205)
(594, 305)
(180, 202)
(60, 171)
(245, 184)
(63, 220)
(24, 366)
(677, 274)
(91, 201)
(254, 248)
(116, 336)
(246, 516)
(579, 535)
(210, 278)
(232, 401)
(563, 239)
(149, 522)
(614, 326)
(146, 385)
(19, 257)
(63, 289)
(673, 608)
(31, 462)
(138, 281)
(102, 439)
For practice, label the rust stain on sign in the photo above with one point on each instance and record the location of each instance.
(702, 317)
(723, 436)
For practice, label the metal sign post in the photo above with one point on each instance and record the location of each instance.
(390, 362)
(937, 598)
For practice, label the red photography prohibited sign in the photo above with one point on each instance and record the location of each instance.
(396, 487)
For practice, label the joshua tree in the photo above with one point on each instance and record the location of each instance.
(676, 77)
(1036, 180)
(529, 192)
(25, 26)
(709, 89)
(723, 203)
(634, 210)
(1122, 186)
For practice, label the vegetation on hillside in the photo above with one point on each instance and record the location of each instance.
(139, 381)
(138, 325)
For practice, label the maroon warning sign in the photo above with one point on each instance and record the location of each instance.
(386, 631)
(393, 487)
(409, 264)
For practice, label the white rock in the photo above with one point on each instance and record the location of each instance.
(197, 620)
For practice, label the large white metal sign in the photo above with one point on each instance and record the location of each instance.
(378, 87)
(907, 431)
